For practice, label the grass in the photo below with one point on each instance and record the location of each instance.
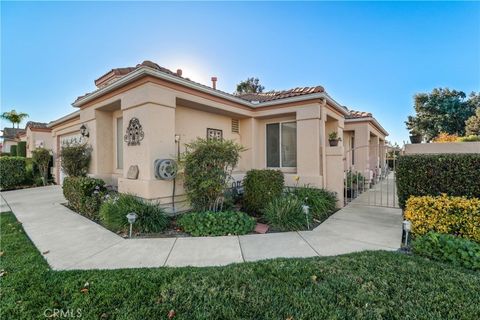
(369, 285)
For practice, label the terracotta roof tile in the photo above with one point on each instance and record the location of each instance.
(275, 95)
(11, 133)
(36, 125)
(260, 97)
(353, 114)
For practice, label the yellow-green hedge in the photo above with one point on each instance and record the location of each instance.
(453, 215)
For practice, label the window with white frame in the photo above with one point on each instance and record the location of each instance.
(281, 145)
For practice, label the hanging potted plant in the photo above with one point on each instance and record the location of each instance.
(415, 136)
(333, 139)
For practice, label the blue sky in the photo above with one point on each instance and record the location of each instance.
(369, 56)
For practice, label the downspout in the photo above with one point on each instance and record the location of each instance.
(177, 141)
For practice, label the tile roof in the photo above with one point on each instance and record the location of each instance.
(251, 97)
(10, 133)
(36, 125)
(353, 114)
(275, 95)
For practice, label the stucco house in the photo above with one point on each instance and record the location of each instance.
(9, 137)
(364, 143)
(140, 114)
(37, 135)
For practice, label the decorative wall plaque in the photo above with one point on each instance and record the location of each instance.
(214, 134)
(134, 132)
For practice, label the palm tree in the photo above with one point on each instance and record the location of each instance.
(14, 117)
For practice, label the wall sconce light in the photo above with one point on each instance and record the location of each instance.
(84, 131)
(131, 217)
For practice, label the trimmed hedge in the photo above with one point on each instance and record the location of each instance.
(12, 172)
(452, 174)
(261, 187)
(150, 217)
(13, 151)
(84, 195)
(22, 149)
(448, 248)
(220, 223)
(454, 215)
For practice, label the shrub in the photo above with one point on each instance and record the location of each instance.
(286, 214)
(150, 217)
(423, 175)
(13, 151)
(445, 137)
(12, 172)
(472, 125)
(353, 179)
(454, 215)
(75, 158)
(261, 187)
(84, 195)
(208, 165)
(470, 138)
(22, 149)
(41, 157)
(443, 247)
(322, 203)
(220, 223)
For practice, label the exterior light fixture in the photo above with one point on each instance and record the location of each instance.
(131, 217)
(84, 131)
(306, 210)
(406, 227)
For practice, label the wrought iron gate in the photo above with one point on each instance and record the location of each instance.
(369, 176)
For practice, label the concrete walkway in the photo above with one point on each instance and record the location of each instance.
(69, 241)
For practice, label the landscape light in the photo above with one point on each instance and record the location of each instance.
(132, 216)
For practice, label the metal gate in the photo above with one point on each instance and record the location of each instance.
(369, 176)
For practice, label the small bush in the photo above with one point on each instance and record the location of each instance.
(322, 203)
(435, 174)
(261, 187)
(445, 137)
(12, 172)
(75, 158)
(448, 248)
(42, 157)
(454, 215)
(220, 223)
(22, 149)
(13, 151)
(286, 214)
(208, 165)
(84, 195)
(150, 217)
(470, 138)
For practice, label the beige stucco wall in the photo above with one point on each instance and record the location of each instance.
(448, 147)
(165, 113)
(35, 137)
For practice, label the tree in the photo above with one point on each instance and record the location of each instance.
(14, 117)
(41, 157)
(473, 124)
(442, 110)
(251, 85)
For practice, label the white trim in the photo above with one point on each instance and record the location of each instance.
(370, 119)
(187, 83)
(280, 144)
(64, 118)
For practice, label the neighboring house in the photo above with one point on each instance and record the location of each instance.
(140, 114)
(37, 135)
(63, 130)
(10, 138)
(364, 143)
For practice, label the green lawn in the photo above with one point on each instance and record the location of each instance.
(363, 285)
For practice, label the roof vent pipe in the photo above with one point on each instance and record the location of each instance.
(214, 83)
(179, 72)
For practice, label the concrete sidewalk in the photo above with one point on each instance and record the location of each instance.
(69, 241)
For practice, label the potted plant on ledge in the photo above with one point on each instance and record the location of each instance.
(333, 139)
(415, 136)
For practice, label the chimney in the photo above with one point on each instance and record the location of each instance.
(214, 83)
(179, 72)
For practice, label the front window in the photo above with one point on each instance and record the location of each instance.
(282, 145)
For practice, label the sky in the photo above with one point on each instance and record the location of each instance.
(369, 56)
